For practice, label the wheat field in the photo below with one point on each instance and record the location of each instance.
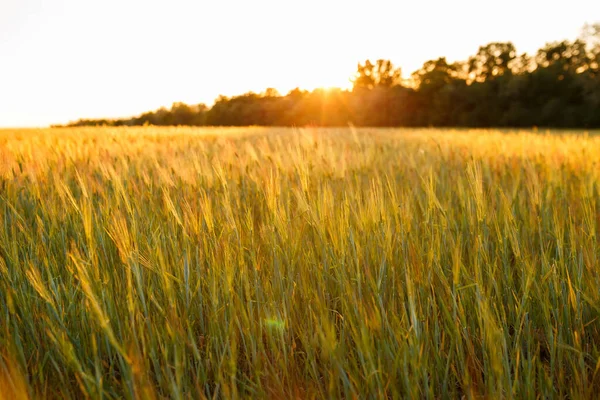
(179, 263)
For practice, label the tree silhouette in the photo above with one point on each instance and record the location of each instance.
(382, 73)
(492, 61)
(558, 86)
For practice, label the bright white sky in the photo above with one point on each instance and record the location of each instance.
(61, 60)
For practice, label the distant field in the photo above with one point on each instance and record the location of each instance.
(299, 263)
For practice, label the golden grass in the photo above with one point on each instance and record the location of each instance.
(299, 263)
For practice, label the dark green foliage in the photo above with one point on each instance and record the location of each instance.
(558, 87)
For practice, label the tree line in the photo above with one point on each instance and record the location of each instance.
(559, 86)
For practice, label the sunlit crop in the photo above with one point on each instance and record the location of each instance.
(299, 263)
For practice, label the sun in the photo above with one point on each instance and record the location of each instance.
(331, 89)
(328, 83)
(306, 76)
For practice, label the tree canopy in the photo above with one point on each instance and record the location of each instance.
(559, 86)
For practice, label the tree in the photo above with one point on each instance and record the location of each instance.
(564, 55)
(381, 74)
(435, 74)
(182, 114)
(492, 61)
(271, 92)
(558, 86)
